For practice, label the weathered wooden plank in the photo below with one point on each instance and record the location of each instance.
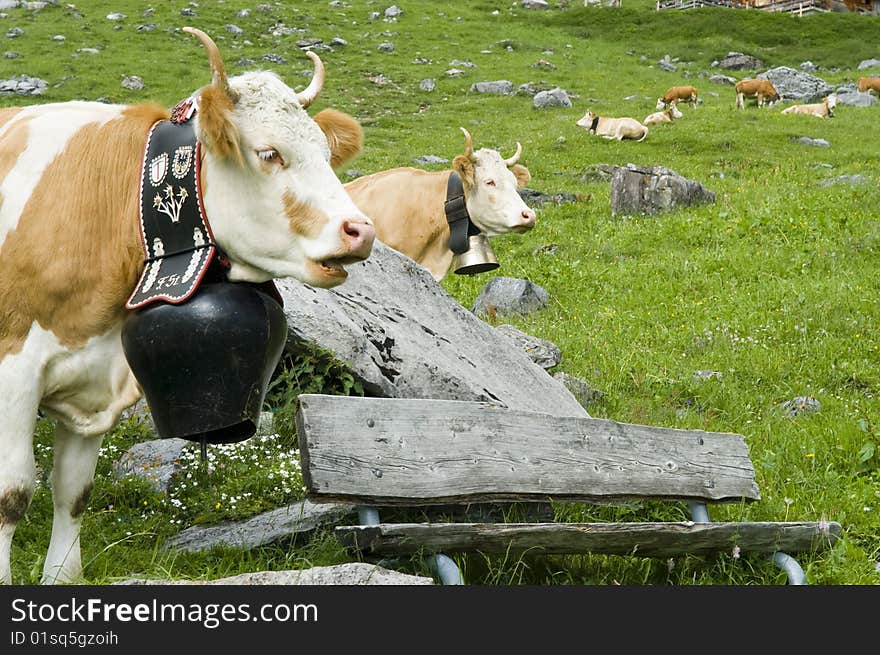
(641, 539)
(397, 451)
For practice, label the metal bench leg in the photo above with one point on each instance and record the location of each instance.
(699, 512)
(442, 565)
(793, 570)
(796, 575)
(446, 569)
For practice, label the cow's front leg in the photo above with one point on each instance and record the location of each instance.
(18, 474)
(73, 474)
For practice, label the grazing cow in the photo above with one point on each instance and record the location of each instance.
(72, 254)
(613, 128)
(760, 89)
(820, 109)
(666, 116)
(686, 94)
(868, 84)
(407, 205)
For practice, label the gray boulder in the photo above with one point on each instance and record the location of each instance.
(23, 85)
(155, 461)
(797, 86)
(738, 61)
(653, 190)
(425, 160)
(545, 354)
(553, 98)
(133, 83)
(855, 99)
(799, 406)
(869, 63)
(845, 179)
(722, 79)
(403, 336)
(582, 390)
(503, 296)
(500, 87)
(807, 141)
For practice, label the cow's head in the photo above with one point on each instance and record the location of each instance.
(674, 111)
(273, 200)
(660, 104)
(831, 103)
(587, 121)
(491, 188)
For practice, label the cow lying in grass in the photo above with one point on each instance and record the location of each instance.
(407, 205)
(666, 116)
(673, 94)
(613, 128)
(760, 89)
(868, 84)
(821, 109)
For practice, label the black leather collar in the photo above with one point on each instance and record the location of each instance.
(460, 225)
(594, 124)
(177, 240)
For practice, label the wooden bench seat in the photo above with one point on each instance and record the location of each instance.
(382, 452)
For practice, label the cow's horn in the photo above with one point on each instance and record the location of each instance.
(468, 144)
(307, 96)
(218, 70)
(512, 160)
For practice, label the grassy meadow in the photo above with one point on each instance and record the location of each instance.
(775, 286)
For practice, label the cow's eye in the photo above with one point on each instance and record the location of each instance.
(490, 182)
(270, 155)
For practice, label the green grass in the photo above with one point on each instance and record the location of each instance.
(775, 285)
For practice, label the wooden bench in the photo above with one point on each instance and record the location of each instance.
(382, 452)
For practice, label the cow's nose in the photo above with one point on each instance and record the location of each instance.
(528, 217)
(359, 235)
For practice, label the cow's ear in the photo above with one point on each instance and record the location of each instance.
(217, 132)
(522, 175)
(345, 136)
(464, 166)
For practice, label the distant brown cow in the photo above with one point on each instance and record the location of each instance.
(760, 89)
(868, 84)
(686, 94)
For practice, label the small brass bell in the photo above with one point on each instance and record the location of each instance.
(478, 258)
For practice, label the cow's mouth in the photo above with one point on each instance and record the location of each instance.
(334, 267)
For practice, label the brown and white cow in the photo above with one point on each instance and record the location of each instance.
(668, 115)
(613, 128)
(868, 84)
(407, 205)
(686, 94)
(824, 109)
(759, 88)
(71, 253)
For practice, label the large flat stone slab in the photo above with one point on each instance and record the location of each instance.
(356, 573)
(299, 518)
(404, 336)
